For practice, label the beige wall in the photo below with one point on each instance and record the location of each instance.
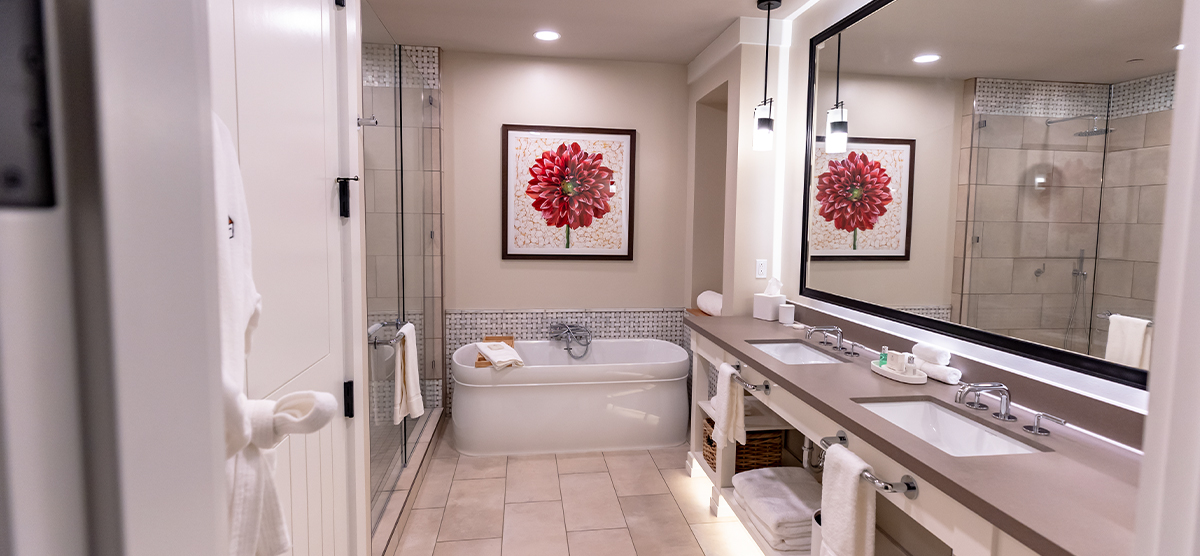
(929, 111)
(484, 91)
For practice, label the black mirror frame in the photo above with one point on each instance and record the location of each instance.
(1121, 374)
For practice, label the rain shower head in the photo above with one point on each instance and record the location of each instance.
(1093, 131)
(1096, 129)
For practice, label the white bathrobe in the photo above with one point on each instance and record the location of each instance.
(252, 427)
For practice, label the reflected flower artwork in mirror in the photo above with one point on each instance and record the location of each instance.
(568, 193)
(861, 204)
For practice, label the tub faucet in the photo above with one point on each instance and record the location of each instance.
(981, 387)
(825, 331)
(572, 333)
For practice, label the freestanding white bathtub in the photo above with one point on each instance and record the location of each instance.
(625, 395)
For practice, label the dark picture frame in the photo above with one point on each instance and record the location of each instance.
(908, 196)
(513, 177)
(1085, 364)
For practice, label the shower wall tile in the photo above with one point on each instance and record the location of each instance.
(991, 275)
(1151, 203)
(1146, 166)
(1091, 204)
(1002, 132)
(1082, 169)
(369, 277)
(1119, 205)
(1158, 128)
(964, 166)
(1068, 240)
(414, 276)
(1145, 242)
(1050, 204)
(1019, 167)
(383, 183)
(1114, 277)
(431, 148)
(433, 192)
(413, 192)
(1145, 280)
(1056, 309)
(368, 190)
(387, 272)
(409, 149)
(1127, 133)
(379, 148)
(383, 104)
(1007, 311)
(381, 234)
(996, 203)
(1057, 277)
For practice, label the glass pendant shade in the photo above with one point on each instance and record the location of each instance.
(837, 131)
(764, 130)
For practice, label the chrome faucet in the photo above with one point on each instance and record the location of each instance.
(992, 387)
(825, 331)
(572, 333)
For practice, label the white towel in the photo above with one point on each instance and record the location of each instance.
(729, 413)
(710, 302)
(1129, 340)
(801, 543)
(847, 506)
(252, 427)
(783, 498)
(931, 353)
(500, 354)
(941, 373)
(406, 400)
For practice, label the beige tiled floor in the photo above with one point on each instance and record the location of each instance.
(636, 503)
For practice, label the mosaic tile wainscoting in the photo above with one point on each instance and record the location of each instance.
(469, 326)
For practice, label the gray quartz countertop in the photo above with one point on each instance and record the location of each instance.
(1076, 499)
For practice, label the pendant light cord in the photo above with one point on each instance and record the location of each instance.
(767, 61)
(837, 87)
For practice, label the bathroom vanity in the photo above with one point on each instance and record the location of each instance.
(984, 487)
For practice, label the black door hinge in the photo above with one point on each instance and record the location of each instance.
(344, 195)
(339, 3)
(348, 398)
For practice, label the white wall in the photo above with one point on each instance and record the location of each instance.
(482, 92)
(929, 111)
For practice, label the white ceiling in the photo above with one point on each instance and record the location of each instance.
(1085, 41)
(672, 31)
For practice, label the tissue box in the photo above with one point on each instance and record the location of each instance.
(766, 307)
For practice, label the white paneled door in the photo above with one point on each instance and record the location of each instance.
(289, 108)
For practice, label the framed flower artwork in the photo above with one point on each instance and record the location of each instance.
(861, 201)
(568, 192)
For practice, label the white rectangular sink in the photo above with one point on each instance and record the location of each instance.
(795, 353)
(950, 432)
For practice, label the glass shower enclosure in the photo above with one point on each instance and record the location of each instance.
(402, 190)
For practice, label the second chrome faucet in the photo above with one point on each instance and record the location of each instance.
(986, 387)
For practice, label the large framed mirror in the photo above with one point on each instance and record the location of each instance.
(994, 171)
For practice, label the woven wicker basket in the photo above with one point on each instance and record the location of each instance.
(762, 449)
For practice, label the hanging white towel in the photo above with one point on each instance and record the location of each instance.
(252, 427)
(729, 414)
(407, 400)
(847, 506)
(1129, 340)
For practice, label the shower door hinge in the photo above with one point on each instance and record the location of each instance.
(982, 124)
(344, 195)
(339, 3)
(348, 398)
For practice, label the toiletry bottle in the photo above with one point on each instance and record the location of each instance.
(883, 357)
(910, 364)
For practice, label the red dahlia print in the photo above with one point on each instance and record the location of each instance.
(570, 187)
(854, 193)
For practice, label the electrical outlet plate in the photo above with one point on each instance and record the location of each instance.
(760, 268)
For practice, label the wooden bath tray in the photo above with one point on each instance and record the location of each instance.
(481, 361)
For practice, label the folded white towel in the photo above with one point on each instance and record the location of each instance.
(784, 498)
(500, 355)
(847, 506)
(710, 302)
(406, 397)
(798, 542)
(931, 353)
(941, 373)
(1129, 340)
(729, 413)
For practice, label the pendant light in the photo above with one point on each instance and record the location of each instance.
(837, 124)
(764, 130)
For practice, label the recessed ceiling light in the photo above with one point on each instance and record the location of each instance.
(927, 58)
(546, 35)
(1179, 47)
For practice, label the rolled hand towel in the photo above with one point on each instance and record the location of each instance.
(710, 302)
(500, 355)
(940, 373)
(783, 498)
(931, 353)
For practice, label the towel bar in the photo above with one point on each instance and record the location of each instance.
(765, 386)
(399, 334)
(907, 485)
(1107, 314)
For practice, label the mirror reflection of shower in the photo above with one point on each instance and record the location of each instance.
(1078, 283)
